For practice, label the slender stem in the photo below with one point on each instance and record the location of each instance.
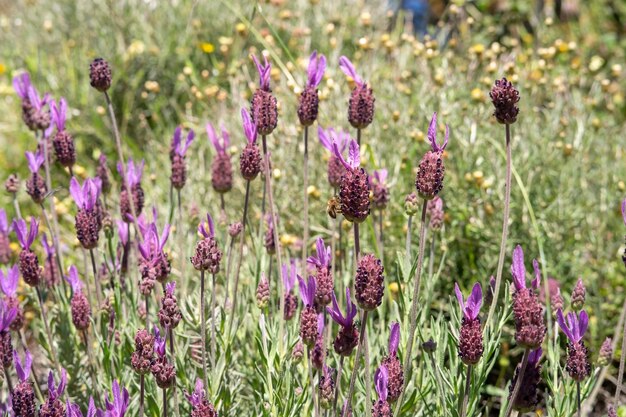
(281, 290)
(368, 375)
(622, 359)
(147, 312)
(578, 396)
(120, 155)
(229, 261)
(505, 226)
(358, 137)
(203, 328)
(174, 386)
(518, 382)
(213, 346)
(305, 240)
(71, 171)
(8, 379)
(413, 312)
(312, 383)
(337, 385)
(164, 402)
(181, 232)
(16, 206)
(55, 241)
(141, 394)
(223, 205)
(468, 381)
(357, 245)
(441, 394)
(44, 318)
(240, 260)
(381, 245)
(359, 351)
(92, 363)
(96, 280)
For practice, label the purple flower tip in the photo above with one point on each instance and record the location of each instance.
(249, 128)
(336, 314)
(307, 290)
(348, 68)
(86, 196)
(55, 391)
(7, 315)
(534, 356)
(159, 342)
(222, 144)
(22, 368)
(207, 229)
(328, 136)
(474, 301)
(517, 268)
(9, 281)
(535, 282)
(5, 227)
(196, 397)
(432, 135)
(170, 287)
(381, 377)
(574, 327)
(322, 257)
(35, 161)
(177, 144)
(59, 113)
(315, 72)
(394, 338)
(264, 72)
(380, 175)
(289, 276)
(117, 408)
(25, 236)
(73, 279)
(22, 84)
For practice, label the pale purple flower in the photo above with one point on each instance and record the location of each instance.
(73, 410)
(134, 171)
(122, 231)
(322, 256)
(249, 127)
(264, 72)
(7, 315)
(348, 68)
(35, 161)
(152, 246)
(118, 407)
(289, 276)
(315, 71)
(519, 270)
(380, 176)
(73, 279)
(307, 290)
(47, 246)
(159, 342)
(55, 391)
(380, 379)
(471, 308)
(394, 338)
(22, 369)
(354, 156)
(534, 356)
(328, 136)
(432, 135)
(198, 394)
(170, 287)
(336, 314)
(320, 324)
(575, 327)
(177, 144)
(86, 196)
(22, 84)
(25, 236)
(58, 113)
(221, 145)
(207, 229)
(9, 281)
(5, 227)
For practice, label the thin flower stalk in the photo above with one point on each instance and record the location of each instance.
(622, 359)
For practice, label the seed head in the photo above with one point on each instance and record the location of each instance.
(411, 204)
(262, 293)
(606, 352)
(144, 351)
(12, 184)
(434, 210)
(100, 74)
(207, 256)
(361, 103)
(102, 172)
(395, 381)
(578, 296)
(309, 100)
(505, 98)
(169, 313)
(431, 171)
(369, 282)
(326, 387)
(297, 353)
(234, 229)
(380, 190)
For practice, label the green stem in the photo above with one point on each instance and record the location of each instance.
(203, 329)
(44, 318)
(305, 241)
(359, 352)
(468, 381)
(213, 344)
(240, 260)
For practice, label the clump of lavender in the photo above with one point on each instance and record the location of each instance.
(263, 106)
(12, 184)
(326, 387)
(527, 309)
(162, 370)
(268, 239)
(395, 381)
(169, 313)
(348, 337)
(133, 179)
(23, 395)
(578, 295)
(7, 315)
(36, 183)
(29, 263)
(142, 357)
(431, 171)
(434, 211)
(100, 74)
(354, 188)
(323, 273)
(263, 292)
(34, 112)
(381, 407)
(309, 100)
(8, 284)
(81, 311)
(606, 352)
(119, 405)
(297, 353)
(308, 315)
(289, 279)
(5, 243)
(528, 397)
(177, 156)
(207, 255)
(53, 406)
(318, 352)
(154, 264)
(221, 168)
(63, 143)
(200, 405)
(250, 159)
(578, 365)
(470, 334)
(368, 283)
(505, 98)
(335, 169)
(380, 189)
(87, 221)
(361, 103)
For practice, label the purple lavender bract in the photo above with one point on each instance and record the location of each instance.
(348, 337)
(470, 334)
(354, 189)
(369, 282)
(361, 103)
(309, 100)
(431, 170)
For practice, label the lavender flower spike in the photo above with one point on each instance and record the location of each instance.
(575, 327)
(86, 196)
(354, 156)
(348, 68)
(196, 397)
(118, 407)
(315, 71)
(207, 230)
(26, 237)
(22, 368)
(134, 171)
(35, 161)
(335, 312)
(54, 391)
(432, 135)
(474, 301)
(264, 72)
(8, 282)
(307, 291)
(322, 258)
(73, 279)
(178, 146)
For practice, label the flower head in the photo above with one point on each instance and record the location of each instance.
(207, 230)
(5, 227)
(432, 135)
(35, 161)
(575, 326)
(380, 379)
(322, 257)
(198, 394)
(220, 145)
(289, 276)
(133, 171)
(73, 279)
(354, 156)
(22, 85)
(7, 315)
(86, 196)
(474, 301)
(264, 72)
(315, 71)
(348, 68)
(117, 407)
(178, 146)
(122, 231)
(22, 368)
(249, 127)
(505, 98)
(335, 313)
(8, 282)
(56, 391)
(330, 135)
(59, 113)
(26, 237)
(518, 270)
(307, 291)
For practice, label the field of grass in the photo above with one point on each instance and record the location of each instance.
(183, 63)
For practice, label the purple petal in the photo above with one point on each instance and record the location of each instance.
(312, 69)
(34, 161)
(311, 287)
(335, 311)
(321, 68)
(21, 84)
(211, 225)
(51, 386)
(76, 192)
(225, 137)
(23, 369)
(394, 338)
(304, 295)
(210, 131)
(535, 282)
(190, 137)
(91, 411)
(19, 226)
(432, 131)
(176, 139)
(354, 156)
(9, 282)
(583, 322)
(561, 320)
(33, 231)
(475, 301)
(381, 378)
(517, 268)
(534, 356)
(459, 297)
(4, 224)
(73, 279)
(350, 307)
(325, 140)
(249, 128)
(122, 231)
(340, 156)
(59, 113)
(348, 69)
(320, 324)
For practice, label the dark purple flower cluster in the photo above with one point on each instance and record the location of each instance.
(505, 98)
(361, 103)
(368, 283)
(354, 190)
(431, 171)
(207, 256)
(470, 334)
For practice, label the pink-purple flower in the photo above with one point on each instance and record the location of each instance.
(574, 326)
(315, 71)
(118, 406)
(178, 146)
(307, 291)
(86, 196)
(9, 281)
(265, 70)
(26, 236)
(354, 156)
(35, 161)
(133, 171)
(432, 135)
(347, 320)
(221, 145)
(22, 369)
(348, 68)
(519, 270)
(471, 308)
